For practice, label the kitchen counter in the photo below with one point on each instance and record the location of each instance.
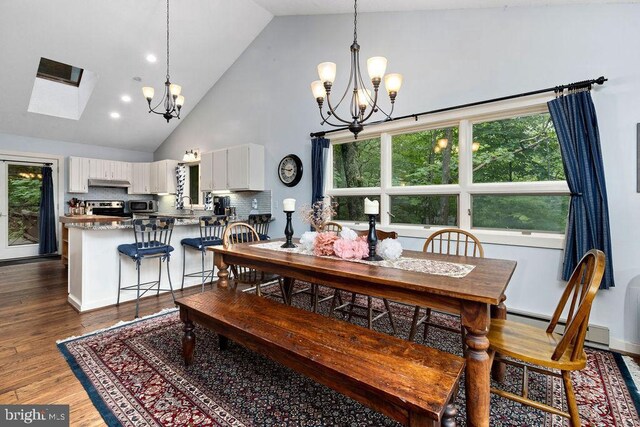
(93, 262)
(122, 224)
(78, 219)
(90, 218)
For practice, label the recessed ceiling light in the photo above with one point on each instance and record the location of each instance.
(114, 115)
(151, 58)
(125, 98)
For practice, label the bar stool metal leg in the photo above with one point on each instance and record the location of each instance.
(159, 274)
(138, 288)
(169, 277)
(184, 250)
(119, 278)
(202, 265)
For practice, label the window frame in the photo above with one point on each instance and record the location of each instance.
(187, 183)
(464, 118)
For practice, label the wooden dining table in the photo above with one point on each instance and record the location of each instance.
(477, 297)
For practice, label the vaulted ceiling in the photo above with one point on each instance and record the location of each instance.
(112, 38)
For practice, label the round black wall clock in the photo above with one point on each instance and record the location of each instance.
(290, 170)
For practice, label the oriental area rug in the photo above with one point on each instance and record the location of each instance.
(135, 376)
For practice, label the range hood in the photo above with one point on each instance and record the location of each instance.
(109, 183)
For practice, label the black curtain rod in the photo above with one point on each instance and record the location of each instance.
(571, 86)
(31, 163)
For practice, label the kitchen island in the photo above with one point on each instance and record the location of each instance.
(93, 262)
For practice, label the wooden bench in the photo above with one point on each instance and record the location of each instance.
(408, 382)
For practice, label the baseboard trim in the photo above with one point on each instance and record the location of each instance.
(624, 346)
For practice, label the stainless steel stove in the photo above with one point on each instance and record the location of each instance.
(106, 207)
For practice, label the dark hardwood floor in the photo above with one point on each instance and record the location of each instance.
(34, 313)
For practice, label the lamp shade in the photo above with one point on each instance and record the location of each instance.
(317, 88)
(180, 101)
(175, 89)
(393, 82)
(327, 72)
(443, 142)
(148, 92)
(376, 66)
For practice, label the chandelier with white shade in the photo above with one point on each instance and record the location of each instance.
(362, 102)
(171, 101)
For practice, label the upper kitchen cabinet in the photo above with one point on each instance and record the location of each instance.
(163, 177)
(213, 171)
(140, 178)
(78, 175)
(109, 170)
(245, 167)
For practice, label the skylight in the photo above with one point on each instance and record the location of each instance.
(61, 90)
(59, 72)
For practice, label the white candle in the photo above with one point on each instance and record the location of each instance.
(289, 205)
(371, 207)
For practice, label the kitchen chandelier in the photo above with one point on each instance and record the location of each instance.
(362, 104)
(171, 99)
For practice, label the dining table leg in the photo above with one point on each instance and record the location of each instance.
(499, 369)
(475, 319)
(223, 270)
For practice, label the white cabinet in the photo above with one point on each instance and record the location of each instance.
(78, 175)
(163, 177)
(219, 173)
(140, 178)
(245, 167)
(109, 170)
(213, 171)
(97, 169)
(206, 171)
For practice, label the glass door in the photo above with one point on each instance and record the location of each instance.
(19, 208)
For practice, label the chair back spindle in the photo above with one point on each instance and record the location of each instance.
(452, 241)
(581, 288)
(330, 226)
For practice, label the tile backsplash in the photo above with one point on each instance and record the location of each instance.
(241, 200)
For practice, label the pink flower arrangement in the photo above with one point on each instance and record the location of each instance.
(351, 249)
(324, 243)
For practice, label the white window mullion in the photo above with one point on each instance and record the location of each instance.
(465, 160)
(385, 178)
(328, 171)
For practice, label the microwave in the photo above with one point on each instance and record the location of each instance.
(138, 206)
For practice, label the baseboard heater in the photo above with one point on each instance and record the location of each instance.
(597, 336)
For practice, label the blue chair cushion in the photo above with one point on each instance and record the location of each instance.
(129, 249)
(196, 242)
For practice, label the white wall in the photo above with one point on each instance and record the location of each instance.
(449, 58)
(16, 143)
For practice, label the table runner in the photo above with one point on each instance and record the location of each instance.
(440, 268)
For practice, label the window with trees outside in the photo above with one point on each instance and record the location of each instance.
(498, 174)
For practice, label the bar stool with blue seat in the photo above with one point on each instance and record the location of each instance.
(152, 240)
(211, 232)
(260, 223)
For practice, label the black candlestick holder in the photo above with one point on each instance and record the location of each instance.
(288, 232)
(372, 240)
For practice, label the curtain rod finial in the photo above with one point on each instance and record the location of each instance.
(600, 80)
